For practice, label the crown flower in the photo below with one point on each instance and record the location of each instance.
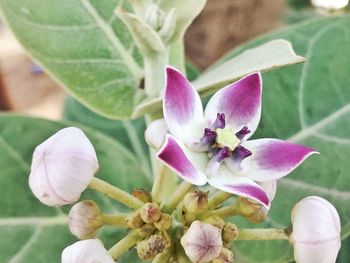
(213, 147)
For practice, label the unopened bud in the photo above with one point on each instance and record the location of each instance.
(226, 256)
(216, 221)
(151, 247)
(146, 230)
(258, 216)
(316, 231)
(85, 219)
(247, 207)
(202, 242)
(86, 251)
(229, 232)
(62, 168)
(196, 201)
(134, 220)
(155, 133)
(150, 213)
(164, 222)
(169, 25)
(142, 195)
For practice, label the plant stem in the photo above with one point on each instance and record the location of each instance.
(154, 65)
(115, 193)
(124, 244)
(176, 197)
(115, 219)
(230, 210)
(162, 258)
(217, 199)
(177, 55)
(159, 182)
(263, 234)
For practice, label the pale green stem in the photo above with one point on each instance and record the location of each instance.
(115, 219)
(115, 193)
(159, 182)
(176, 197)
(162, 258)
(124, 244)
(177, 55)
(154, 65)
(263, 234)
(230, 210)
(217, 199)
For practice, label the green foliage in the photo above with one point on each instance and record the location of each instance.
(31, 231)
(308, 104)
(84, 46)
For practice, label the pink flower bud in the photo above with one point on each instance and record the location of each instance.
(316, 231)
(86, 251)
(62, 167)
(155, 133)
(202, 242)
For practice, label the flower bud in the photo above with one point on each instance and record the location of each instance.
(229, 232)
(216, 221)
(196, 201)
(62, 167)
(85, 219)
(134, 220)
(155, 133)
(86, 251)
(142, 195)
(146, 230)
(202, 242)
(247, 207)
(316, 231)
(164, 222)
(226, 256)
(150, 213)
(151, 247)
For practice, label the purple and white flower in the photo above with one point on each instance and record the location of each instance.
(213, 147)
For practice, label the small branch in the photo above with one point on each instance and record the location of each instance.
(115, 219)
(177, 197)
(115, 193)
(124, 244)
(159, 183)
(217, 199)
(263, 234)
(230, 210)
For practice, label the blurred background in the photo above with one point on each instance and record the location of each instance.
(26, 89)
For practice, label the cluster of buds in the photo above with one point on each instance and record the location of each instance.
(65, 165)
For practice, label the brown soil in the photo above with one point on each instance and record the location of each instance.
(225, 24)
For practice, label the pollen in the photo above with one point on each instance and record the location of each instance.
(226, 138)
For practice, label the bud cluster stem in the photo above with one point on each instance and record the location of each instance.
(115, 219)
(115, 193)
(263, 234)
(177, 197)
(218, 198)
(124, 244)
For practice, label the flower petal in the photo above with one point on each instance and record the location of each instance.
(240, 102)
(188, 165)
(272, 159)
(239, 185)
(182, 107)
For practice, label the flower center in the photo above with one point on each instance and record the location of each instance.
(226, 138)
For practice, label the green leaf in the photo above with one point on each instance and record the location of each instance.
(186, 12)
(85, 48)
(263, 57)
(308, 104)
(31, 231)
